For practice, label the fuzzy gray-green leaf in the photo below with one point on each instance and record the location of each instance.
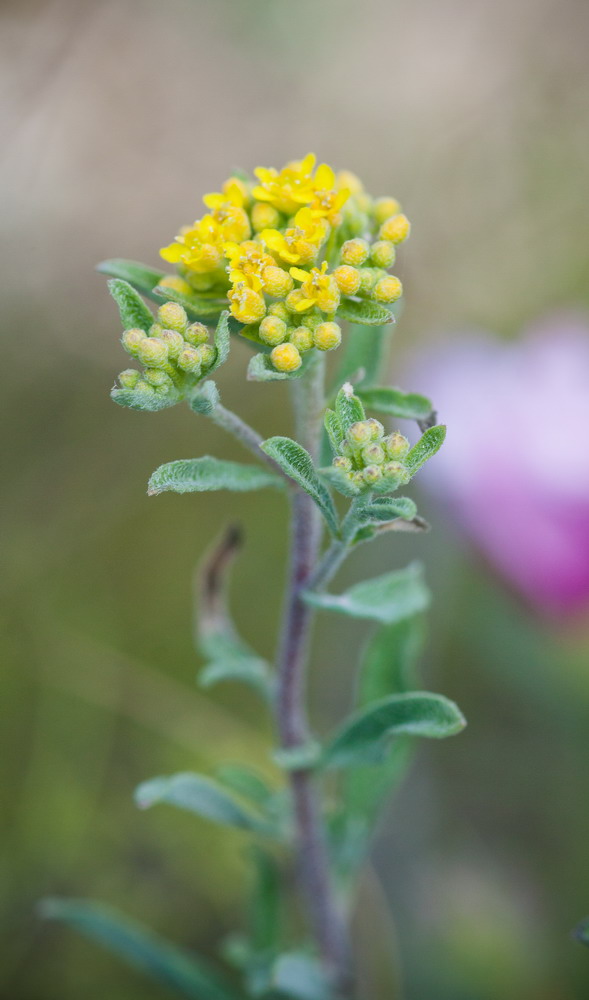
(150, 401)
(134, 312)
(427, 446)
(364, 736)
(222, 340)
(385, 599)
(142, 277)
(198, 794)
(334, 430)
(380, 511)
(364, 312)
(395, 403)
(298, 464)
(140, 947)
(204, 398)
(348, 407)
(249, 670)
(261, 369)
(199, 475)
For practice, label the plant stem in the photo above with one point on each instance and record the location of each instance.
(245, 434)
(311, 846)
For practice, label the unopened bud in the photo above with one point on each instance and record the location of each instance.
(395, 471)
(295, 299)
(286, 358)
(279, 309)
(376, 429)
(340, 462)
(384, 208)
(272, 330)
(174, 341)
(158, 379)
(359, 433)
(155, 329)
(371, 474)
(207, 355)
(277, 281)
(373, 454)
(346, 449)
(176, 283)
(348, 181)
(387, 289)
(368, 278)
(264, 216)
(327, 336)
(396, 445)
(153, 352)
(132, 340)
(355, 252)
(396, 229)
(129, 378)
(196, 334)
(383, 253)
(347, 279)
(302, 338)
(189, 361)
(172, 316)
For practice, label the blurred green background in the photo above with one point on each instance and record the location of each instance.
(121, 114)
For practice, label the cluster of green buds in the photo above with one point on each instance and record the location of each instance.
(174, 353)
(288, 251)
(370, 460)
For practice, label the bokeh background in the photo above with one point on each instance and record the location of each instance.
(118, 115)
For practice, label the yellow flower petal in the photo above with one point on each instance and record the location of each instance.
(173, 252)
(299, 274)
(324, 177)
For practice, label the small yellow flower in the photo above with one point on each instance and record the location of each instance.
(276, 281)
(347, 279)
(388, 289)
(288, 189)
(300, 243)
(286, 358)
(247, 262)
(197, 248)
(327, 201)
(318, 288)
(247, 305)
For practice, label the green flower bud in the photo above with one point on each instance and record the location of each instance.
(153, 352)
(196, 334)
(174, 341)
(144, 388)
(359, 433)
(396, 472)
(172, 316)
(346, 449)
(376, 429)
(368, 279)
(189, 361)
(155, 329)
(279, 309)
(345, 464)
(158, 379)
(371, 474)
(302, 338)
(132, 340)
(382, 254)
(207, 355)
(396, 446)
(129, 378)
(355, 252)
(272, 330)
(373, 454)
(327, 336)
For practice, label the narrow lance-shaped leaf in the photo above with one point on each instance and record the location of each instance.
(386, 599)
(298, 464)
(198, 794)
(427, 446)
(148, 401)
(334, 430)
(140, 947)
(395, 403)
(348, 407)
(363, 737)
(365, 312)
(222, 340)
(134, 312)
(199, 475)
(140, 276)
(380, 511)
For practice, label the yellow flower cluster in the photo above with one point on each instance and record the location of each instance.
(286, 249)
(368, 460)
(174, 353)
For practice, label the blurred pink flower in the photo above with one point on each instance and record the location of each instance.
(515, 465)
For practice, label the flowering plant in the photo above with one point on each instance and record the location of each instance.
(281, 262)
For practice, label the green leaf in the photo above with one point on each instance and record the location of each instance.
(151, 402)
(200, 795)
(261, 369)
(394, 402)
(249, 670)
(334, 430)
(265, 904)
(428, 444)
(204, 398)
(205, 310)
(388, 598)
(348, 407)
(382, 510)
(198, 475)
(364, 736)
(246, 783)
(389, 661)
(142, 277)
(140, 947)
(222, 340)
(365, 312)
(134, 312)
(298, 464)
(339, 480)
(300, 977)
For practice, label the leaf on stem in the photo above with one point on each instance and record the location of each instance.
(395, 403)
(140, 947)
(261, 369)
(134, 312)
(202, 796)
(198, 475)
(334, 430)
(298, 465)
(388, 598)
(427, 446)
(142, 277)
(348, 407)
(149, 402)
(364, 737)
(364, 312)
(204, 398)
(381, 511)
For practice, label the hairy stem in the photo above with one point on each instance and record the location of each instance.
(245, 434)
(312, 855)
